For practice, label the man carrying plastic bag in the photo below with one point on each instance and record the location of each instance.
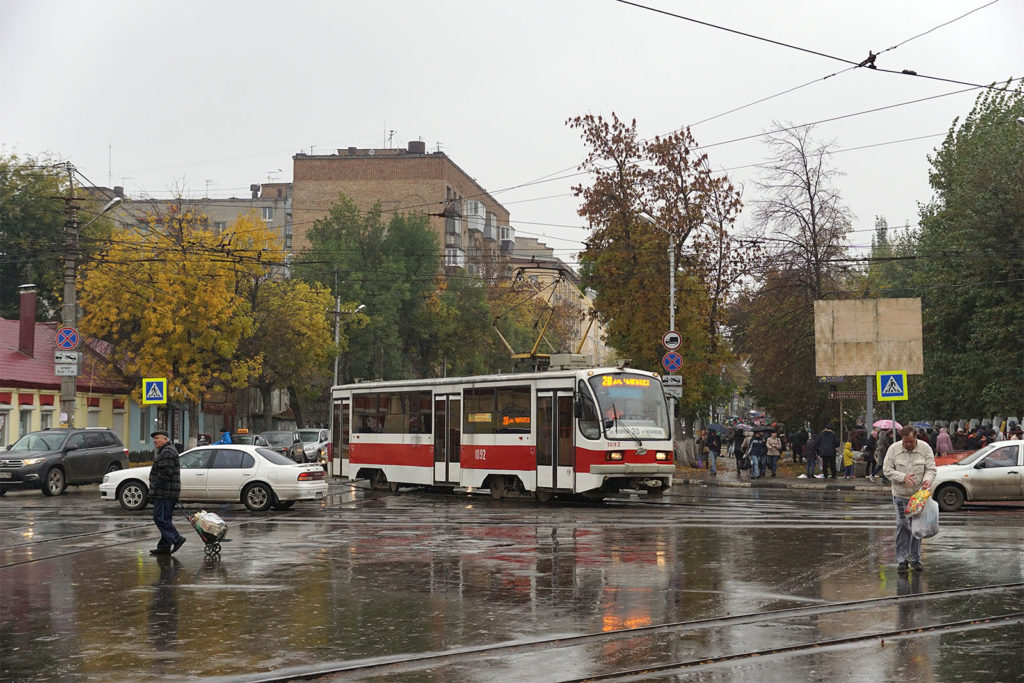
(909, 466)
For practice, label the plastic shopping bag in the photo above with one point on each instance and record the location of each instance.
(926, 524)
(212, 524)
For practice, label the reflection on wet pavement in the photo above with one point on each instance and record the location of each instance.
(364, 580)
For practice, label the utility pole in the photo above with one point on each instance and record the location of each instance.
(69, 311)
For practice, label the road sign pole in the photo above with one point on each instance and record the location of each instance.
(69, 310)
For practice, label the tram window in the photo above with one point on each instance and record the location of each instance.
(505, 410)
(394, 412)
(590, 421)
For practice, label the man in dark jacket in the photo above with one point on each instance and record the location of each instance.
(826, 446)
(164, 489)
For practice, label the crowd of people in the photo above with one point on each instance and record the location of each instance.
(823, 455)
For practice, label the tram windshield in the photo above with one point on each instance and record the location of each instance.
(631, 406)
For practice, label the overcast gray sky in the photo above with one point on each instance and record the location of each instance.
(187, 94)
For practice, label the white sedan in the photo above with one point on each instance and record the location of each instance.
(996, 472)
(254, 475)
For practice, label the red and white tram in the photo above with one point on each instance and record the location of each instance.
(588, 431)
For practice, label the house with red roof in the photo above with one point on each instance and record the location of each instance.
(30, 391)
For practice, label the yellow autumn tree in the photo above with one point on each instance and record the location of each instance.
(166, 295)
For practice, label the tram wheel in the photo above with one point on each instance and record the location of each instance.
(393, 486)
(497, 486)
(379, 481)
(544, 496)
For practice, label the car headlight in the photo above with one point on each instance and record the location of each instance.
(32, 461)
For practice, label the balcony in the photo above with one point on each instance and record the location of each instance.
(453, 225)
(453, 241)
(454, 258)
(475, 215)
(491, 228)
(508, 237)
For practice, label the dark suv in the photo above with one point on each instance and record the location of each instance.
(287, 443)
(52, 459)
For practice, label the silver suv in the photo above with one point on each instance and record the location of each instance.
(53, 459)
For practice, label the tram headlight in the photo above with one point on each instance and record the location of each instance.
(661, 455)
(615, 455)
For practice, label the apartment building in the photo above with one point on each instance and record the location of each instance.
(470, 223)
(271, 201)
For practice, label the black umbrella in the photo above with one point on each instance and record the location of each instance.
(720, 428)
(764, 428)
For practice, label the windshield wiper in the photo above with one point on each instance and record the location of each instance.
(640, 449)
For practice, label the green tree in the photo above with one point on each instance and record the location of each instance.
(32, 219)
(391, 268)
(970, 264)
(293, 336)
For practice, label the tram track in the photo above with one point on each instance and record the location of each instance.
(464, 656)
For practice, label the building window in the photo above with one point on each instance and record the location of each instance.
(144, 429)
(268, 213)
(220, 226)
(46, 419)
(93, 419)
(118, 425)
(3, 428)
(25, 422)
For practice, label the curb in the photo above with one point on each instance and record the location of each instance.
(805, 485)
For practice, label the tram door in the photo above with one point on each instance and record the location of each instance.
(341, 432)
(555, 449)
(447, 438)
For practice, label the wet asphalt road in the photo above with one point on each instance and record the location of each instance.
(419, 586)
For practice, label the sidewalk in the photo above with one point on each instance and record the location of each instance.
(788, 478)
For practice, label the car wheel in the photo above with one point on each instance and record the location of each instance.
(258, 497)
(54, 484)
(133, 495)
(284, 504)
(113, 467)
(950, 498)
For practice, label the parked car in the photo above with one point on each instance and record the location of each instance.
(247, 439)
(256, 476)
(53, 459)
(315, 444)
(995, 472)
(286, 442)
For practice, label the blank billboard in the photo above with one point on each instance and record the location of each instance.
(863, 336)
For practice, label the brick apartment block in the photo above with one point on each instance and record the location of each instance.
(407, 181)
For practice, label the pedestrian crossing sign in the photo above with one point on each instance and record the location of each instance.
(154, 390)
(892, 386)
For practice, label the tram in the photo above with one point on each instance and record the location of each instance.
(590, 431)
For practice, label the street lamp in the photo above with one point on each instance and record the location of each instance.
(69, 311)
(337, 330)
(647, 218)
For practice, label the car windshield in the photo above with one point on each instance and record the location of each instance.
(977, 455)
(39, 442)
(309, 434)
(631, 405)
(274, 457)
(279, 438)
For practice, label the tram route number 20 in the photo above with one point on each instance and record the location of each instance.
(480, 454)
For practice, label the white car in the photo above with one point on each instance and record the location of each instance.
(314, 444)
(257, 476)
(996, 472)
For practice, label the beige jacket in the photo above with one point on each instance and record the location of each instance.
(900, 462)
